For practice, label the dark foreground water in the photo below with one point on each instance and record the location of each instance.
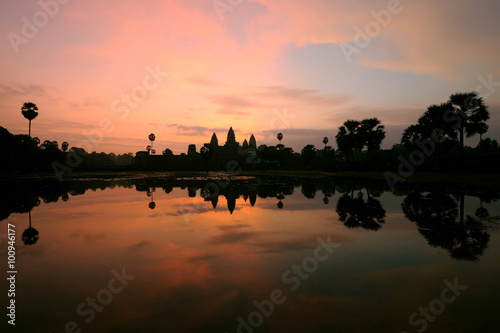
(245, 254)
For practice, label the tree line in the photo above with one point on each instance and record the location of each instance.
(437, 138)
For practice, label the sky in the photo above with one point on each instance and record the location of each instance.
(106, 74)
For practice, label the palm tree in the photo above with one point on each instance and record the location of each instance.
(152, 138)
(29, 112)
(348, 138)
(325, 141)
(473, 114)
(64, 146)
(280, 137)
(148, 148)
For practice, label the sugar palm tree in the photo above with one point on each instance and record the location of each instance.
(64, 146)
(280, 137)
(473, 115)
(325, 141)
(29, 111)
(152, 138)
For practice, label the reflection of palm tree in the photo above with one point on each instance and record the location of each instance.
(29, 111)
(443, 225)
(354, 212)
(280, 197)
(30, 235)
(328, 191)
(149, 193)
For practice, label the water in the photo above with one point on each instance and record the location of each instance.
(177, 253)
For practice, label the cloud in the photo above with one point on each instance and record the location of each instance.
(195, 130)
(198, 81)
(234, 113)
(10, 90)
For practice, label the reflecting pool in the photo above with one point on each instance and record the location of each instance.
(213, 253)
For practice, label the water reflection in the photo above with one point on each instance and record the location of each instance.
(200, 274)
(355, 212)
(437, 213)
(439, 220)
(30, 235)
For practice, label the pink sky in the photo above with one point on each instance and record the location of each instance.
(262, 67)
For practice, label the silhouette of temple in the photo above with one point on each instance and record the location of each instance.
(231, 145)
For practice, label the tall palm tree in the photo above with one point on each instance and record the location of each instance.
(473, 115)
(64, 146)
(152, 138)
(29, 112)
(325, 141)
(280, 137)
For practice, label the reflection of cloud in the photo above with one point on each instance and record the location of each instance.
(140, 245)
(232, 227)
(233, 236)
(92, 238)
(287, 245)
(202, 257)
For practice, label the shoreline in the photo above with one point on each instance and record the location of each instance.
(484, 180)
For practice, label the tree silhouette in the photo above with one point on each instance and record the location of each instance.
(325, 141)
(206, 153)
(473, 114)
(168, 152)
(280, 137)
(149, 148)
(372, 133)
(348, 139)
(30, 235)
(433, 127)
(308, 153)
(152, 138)
(64, 146)
(29, 111)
